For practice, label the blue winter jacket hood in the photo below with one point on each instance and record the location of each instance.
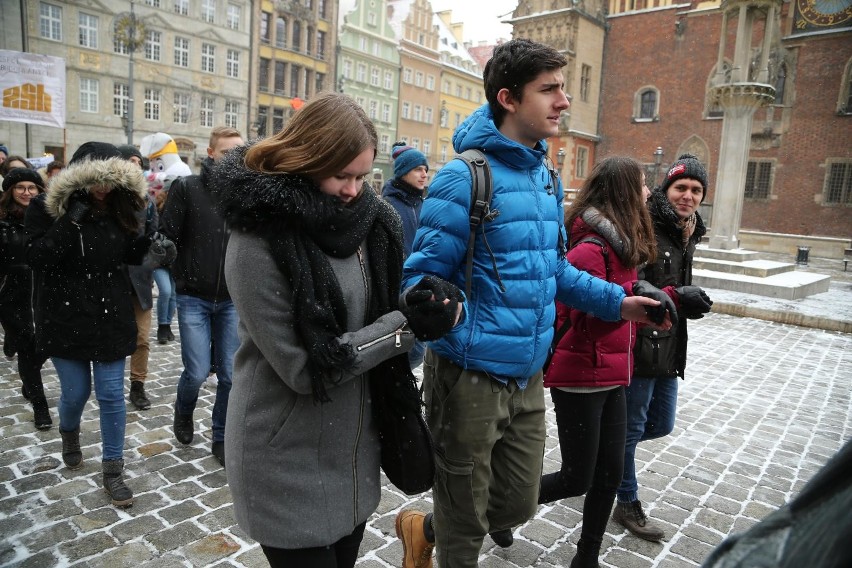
(504, 333)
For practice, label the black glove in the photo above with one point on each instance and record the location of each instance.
(694, 302)
(162, 251)
(430, 318)
(78, 206)
(656, 313)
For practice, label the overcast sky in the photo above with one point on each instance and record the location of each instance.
(481, 18)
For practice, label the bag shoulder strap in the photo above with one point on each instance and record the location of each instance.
(481, 191)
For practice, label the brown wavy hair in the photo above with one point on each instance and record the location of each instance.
(614, 188)
(321, 139)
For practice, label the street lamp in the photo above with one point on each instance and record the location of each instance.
(560, 158)
(658, 161)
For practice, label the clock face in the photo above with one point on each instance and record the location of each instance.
(824, 13)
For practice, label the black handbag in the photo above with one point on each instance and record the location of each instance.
(407, 448)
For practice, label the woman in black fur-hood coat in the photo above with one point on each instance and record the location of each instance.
(315, 279)
(82, 302)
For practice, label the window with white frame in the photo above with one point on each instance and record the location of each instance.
(648, 104)
(582, 165)
(418, 113)
(362, 44)
(443, 153)
(181, 52)
(374, 110)
(406, 75)
(427, 148)
(458, 90)
(208, 57)
(468, 94)
(758, 183)
(181, 7)
(415, 143)
(120, 99)
(427, 115)
(838, 182)
(88, 95)
(232, 64)
(206, 113)
(384, 144)
(277, 119)
(430, 82)
(375, 76)
(50, 21)
(371, 18)
(347, 68)
(119, 46)
(321, 8)
(265, 27)
(232, 109)
(360, 73)
(406, 110)
(88, 35)
(153, 3)
(232, 18)
(418, 78)
(208, 11)
(181, 108)
(376, 48)
(386, 112)
(388, 81)
(152, 45)
(153, 98)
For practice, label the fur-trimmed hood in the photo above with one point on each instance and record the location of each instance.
(125, 178)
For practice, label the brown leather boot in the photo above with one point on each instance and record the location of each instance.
(633, 518)
(416, 549)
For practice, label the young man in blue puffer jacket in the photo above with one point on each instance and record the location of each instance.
(483, 380)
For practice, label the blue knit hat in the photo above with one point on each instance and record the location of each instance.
(4, 149)
(406, 158)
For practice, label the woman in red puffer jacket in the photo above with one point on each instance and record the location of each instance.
(610, 235)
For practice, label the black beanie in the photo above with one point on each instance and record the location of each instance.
(95, 151)
(686, 166)
(128, 151)
(17, 175)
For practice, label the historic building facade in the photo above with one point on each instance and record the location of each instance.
(295, 41)
(190, 67)
(368, 63)
(659, 68)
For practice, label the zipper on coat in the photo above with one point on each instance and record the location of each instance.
(363, 402)
(221, 260)
(396, 335)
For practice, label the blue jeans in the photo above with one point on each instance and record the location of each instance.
(200, 321)
(651, 406)
(75, 380)
(166, 296)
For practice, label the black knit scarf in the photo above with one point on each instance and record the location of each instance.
(302, 226)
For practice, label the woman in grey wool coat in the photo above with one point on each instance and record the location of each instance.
(314, 266)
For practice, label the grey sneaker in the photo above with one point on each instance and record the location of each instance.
(633, 518)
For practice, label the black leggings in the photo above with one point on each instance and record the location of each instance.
(29, 369)
(341, 554)
(592, 429)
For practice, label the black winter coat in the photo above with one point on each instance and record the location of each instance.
(200, 235)
(663, 353)
(16, 312)
(82, 301)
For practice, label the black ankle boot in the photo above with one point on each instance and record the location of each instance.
(184, 428)
(72, 455)
(138, 397)
(120, 494)
(41, 414)
(163, 333)
(587, 555)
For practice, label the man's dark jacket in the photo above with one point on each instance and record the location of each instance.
(200, 235)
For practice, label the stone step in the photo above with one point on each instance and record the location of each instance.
(787, 285)
(733, 255)
(757, 268)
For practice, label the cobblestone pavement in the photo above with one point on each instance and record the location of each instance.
(764, 406)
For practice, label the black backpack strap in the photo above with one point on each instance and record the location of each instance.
(480, 210)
